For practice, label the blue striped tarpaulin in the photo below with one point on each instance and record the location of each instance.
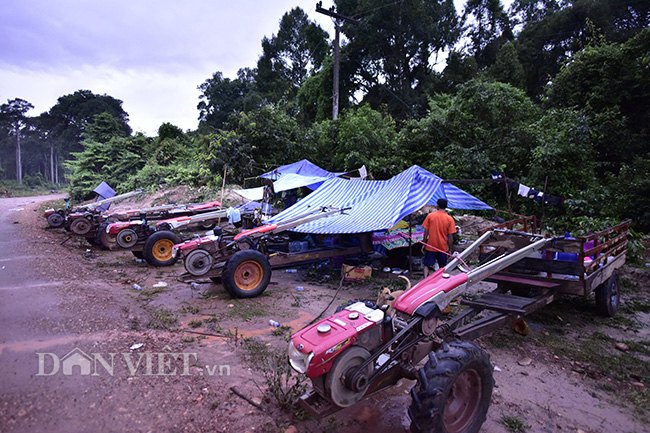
(376, 204)
(303, 167)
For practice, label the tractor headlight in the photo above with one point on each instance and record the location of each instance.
(299, 361)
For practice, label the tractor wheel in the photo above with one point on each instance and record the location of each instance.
(126, 238)
(453, 391)
(104, 240)
(55, 220)
(246, 274)
(608, 296)
(80, 226)
(198, 262)
(158, 248)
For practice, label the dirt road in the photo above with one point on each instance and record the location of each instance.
(82, 350)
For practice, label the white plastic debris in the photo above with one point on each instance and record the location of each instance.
(136, 346)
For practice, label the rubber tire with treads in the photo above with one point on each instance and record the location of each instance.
(453, 391)
(608, 296)
(158, 248)
(104, 240)
(246, 274)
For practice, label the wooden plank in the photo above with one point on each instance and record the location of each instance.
(512, 304)
(524, 281)
(280, 260)
(500, 302)
(530, 264)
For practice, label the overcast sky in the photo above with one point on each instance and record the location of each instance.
(152, 55)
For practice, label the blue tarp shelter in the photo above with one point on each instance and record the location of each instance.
(376, 204)
(291, 176)
(303, 167)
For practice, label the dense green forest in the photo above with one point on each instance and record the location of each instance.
(554, 94)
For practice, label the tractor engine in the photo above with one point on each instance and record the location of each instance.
(331, 351)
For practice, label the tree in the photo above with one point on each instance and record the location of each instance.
(172, 144)
(617, 99)
(289, 58)
(547, 44)
(391, 52)
(221, 97)
(564, 150)
(489, 27)
(458, 70)
(273, 136)
(507, 67)
(103, 128)
(531, 11)
(121, 157)
(13, 115)
(72, 114)
(44, 124)
(364, 137)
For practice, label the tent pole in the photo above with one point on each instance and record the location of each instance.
(410, 244)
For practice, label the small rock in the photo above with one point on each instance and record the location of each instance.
(525, 362)
(622, 347)
(291, 429)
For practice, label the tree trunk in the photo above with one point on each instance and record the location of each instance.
(56, 167)
(19, 166)
(52, 163)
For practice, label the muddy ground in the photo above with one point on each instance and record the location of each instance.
(209, 362)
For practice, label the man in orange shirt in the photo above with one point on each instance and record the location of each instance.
(439, 228)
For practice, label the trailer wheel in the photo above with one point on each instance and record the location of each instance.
(158, 248)
(55, 220)
(246, 274)
(104, 240)
(608, 296)
(453, 391)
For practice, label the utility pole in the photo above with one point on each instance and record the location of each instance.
(339, 20)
